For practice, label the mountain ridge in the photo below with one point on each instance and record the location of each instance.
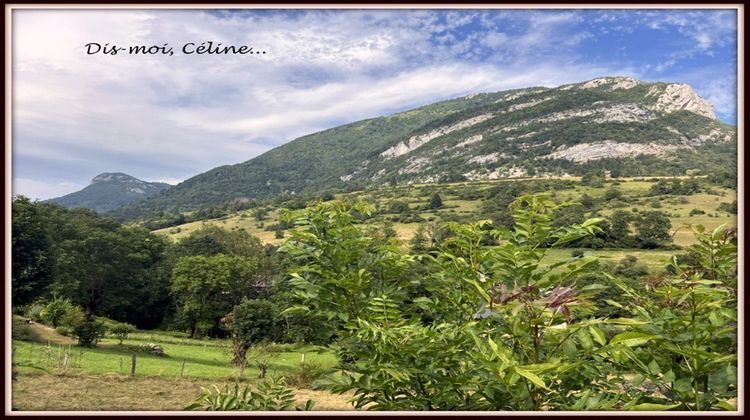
(621, 122)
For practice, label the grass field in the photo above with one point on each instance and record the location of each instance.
(655, 260)
(206, 359)
(99, 378)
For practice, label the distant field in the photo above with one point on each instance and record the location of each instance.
(635, 191)
(655, 260)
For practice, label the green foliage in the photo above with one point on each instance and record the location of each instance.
(266, 396)
(121, 330)
(250, 322)
(305, 375)
(684, 334)
(436, 202)
(419, 241)
(30, 248)
(612, 194)
(205, 287)
(54, 312)
(652, 229)
(338, 266)
(89, 331)
(34, 311)
(481, 341)
(729, 207)
(675, 186)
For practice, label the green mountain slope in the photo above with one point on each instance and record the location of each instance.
(617, 124)
(109, 191)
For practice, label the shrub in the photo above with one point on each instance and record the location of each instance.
(305, 375)
(695, 212)
(730, 208)
(266, 396)
(435, 201)
(121, 330)
(55, 311)
(612, 194)
(89, 332)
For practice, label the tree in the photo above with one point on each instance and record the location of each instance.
(612, 194)
(30, 251)
(205, 288)
(436, 202)
(344, 265)
(250, 322)
(620, 226)
(488, 331)
(652, 229)
(260, 214)
(419, 240)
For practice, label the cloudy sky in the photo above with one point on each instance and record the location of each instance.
(167, 118)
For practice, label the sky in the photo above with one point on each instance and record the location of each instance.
(167, 118)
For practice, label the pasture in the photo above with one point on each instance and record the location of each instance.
(53, 373)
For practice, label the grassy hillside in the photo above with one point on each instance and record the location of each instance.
(573, 130)
(464, 201)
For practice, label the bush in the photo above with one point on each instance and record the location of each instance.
(267, 396)
(695, 212)
(730, 208)
(121, 330)
(54, 312)
(305, 375)
(89, 332)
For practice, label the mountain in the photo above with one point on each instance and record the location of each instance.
(109, 191)
(612, 123)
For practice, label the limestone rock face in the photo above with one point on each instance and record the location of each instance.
(679, 96)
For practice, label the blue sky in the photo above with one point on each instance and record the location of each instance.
(169, 118)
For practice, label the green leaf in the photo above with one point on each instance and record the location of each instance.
(625, 321)
(531, 377)
(654, 407)
(654, 368)
(725, 405)
(296, 309)
(598, 335)
(632, 338)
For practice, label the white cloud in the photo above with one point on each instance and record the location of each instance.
(169, 118)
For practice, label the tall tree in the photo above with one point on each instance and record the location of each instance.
(29, 250)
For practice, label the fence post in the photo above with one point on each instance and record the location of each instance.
(182, 369)
(121, 365)
(132, 366)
